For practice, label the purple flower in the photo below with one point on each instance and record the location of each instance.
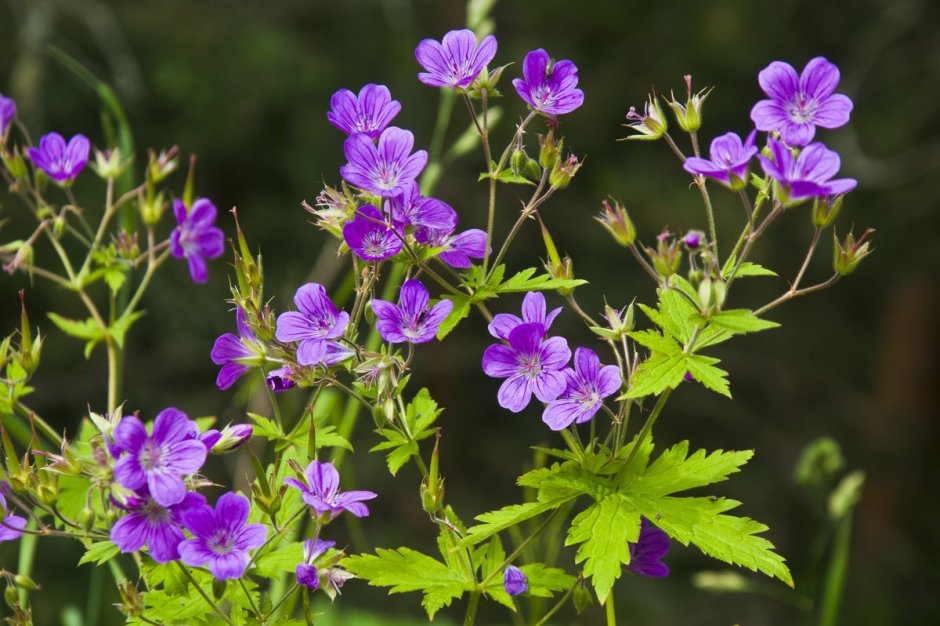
(369, 112)
(11, 526)
(221, 538)
(692, 239)
(549, 88)
(798, 104)
(317, 322)
(529, 365)
(456, 60)
(279, 380)
(196, 237)
(586, 387)
(514, 581)
(7, 113)
(729, 160)
(410, 320)
(231, 438)
(807, 175)
(307, 573)
(414, 210)
(647, 553)
(235, 352)
(154, 525)
(61, 162)
(459, 248)
(387, 169)
(534, 311)
(158, 460)
(370, 237)
(321, 492)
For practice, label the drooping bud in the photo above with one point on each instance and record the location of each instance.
(514, 581)
(651, 125)
(825, 210)
(848, 254)
(689, 115)
(20, 254)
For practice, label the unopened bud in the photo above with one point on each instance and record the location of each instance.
(667, 256)
(518, 160)
(152, 208)
(564, 171)
(14, 163)
(618, 223)
(549, 150)
(26, 582)
(162, 165)
(826, 209)
(689, 115)
(231, 438)
(109, 163)
(693, 239)
(87, 518)
(847, 255)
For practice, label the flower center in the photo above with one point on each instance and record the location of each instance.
(151, 458)
(156, 514)
(530, 365)
(222, 543)
(802, 109)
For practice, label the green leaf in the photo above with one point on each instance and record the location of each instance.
(507, 176)
(284, 558)
(402, 449)
(740, 321)
(674, 470)
(656, 342)
(460, 311)
(746, 269)
(267, 428)
(656, 374)
(120, 327)
(704, 371)
(525, 281)
(544, 580)
(99, 553)
(405, 570)
(506, 517)
(604, 531)
(87, 329)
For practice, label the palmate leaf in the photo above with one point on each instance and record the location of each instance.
(405, 570)
(603, 531)
(656, 374)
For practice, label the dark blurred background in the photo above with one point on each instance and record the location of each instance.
(246, 85)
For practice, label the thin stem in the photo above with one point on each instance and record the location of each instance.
(675, 148)
(472, 608)
(799, 292)
(251, 600)
(609, 605)
(281, 602)
(524, 215)
(695, 149)
(522, 546)
(710, 216)
(809, 256)
(43, 425)
(644, 263)
(648, 426)
(204, 595)
(559, 604)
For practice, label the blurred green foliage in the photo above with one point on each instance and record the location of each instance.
(245, 85)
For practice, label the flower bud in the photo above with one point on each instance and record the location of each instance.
(87, 518)
(22, 255)
(619, 322)
(825, 210)
(126, 245)
(231, 438)
(532, 170)
(667, 256)
(514, 581)
(334, 207)
(847, 255)
(109, 164)
(689, 115)
(549, 150)
(693, 239)
(518, 160)
(563, 172)
(432, 489)
(651, 125)
(26, 582)
(151, 208)
(14, 163)
(162, 165)
(487, 79)
(618, 223)
(10, 596)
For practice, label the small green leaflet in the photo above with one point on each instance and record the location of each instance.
(745, 269)
(100, 553)
(506, 517)
(603, 531)
(420, 416)
(405, 570)
(506, 176)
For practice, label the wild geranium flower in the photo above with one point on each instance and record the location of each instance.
(149, 523)
(317, 322)
(456, 60)
(279, 379)
(321, 492)
(729, 160)
(307, 573)
(369, 112)
(221, 538)
(386, 169)
(459, 248)
(228, 439)
(196, 237)
(549, 88)
(534, 311)
(807, 175)
(410, 320)
(647, 553)
(11, 526)
(586, 387)
(61, 162)
(798, 104)
(369, 237)
(158, 461)
(7, 113)
(514, 581)
(235, 353)
(529, 366)
(411, 209)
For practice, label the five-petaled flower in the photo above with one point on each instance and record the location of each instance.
(236, 353)
(586, 387)
(808, 175)
(729, 160)
(7, 113)
(457, 249)
(368, 112)
(196, 237)
(158, 460)
(149, 523)
(386, 169)
(798, 104)
(321, 492)
(411, 209)
(307, 573)
(549, 88)
(529, 365)
(221, 537)
(370, 237)
(11, 526)
(456, 60)
(647, 553)
(61, 162)
(410, 320)
(317, 322)
(514, 581)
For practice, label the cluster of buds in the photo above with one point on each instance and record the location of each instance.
(521, 165)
